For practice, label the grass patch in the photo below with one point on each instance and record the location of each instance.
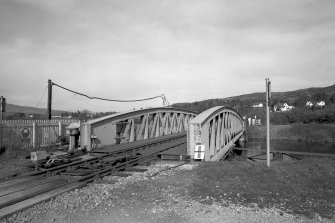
(305, 187)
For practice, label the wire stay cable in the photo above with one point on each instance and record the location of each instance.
(38, 103)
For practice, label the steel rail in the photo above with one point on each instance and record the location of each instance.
(122, 150)
(11, 206)
(130, 163)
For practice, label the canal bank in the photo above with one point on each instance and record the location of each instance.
(299, 132)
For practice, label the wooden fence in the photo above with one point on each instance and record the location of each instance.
(32, 133)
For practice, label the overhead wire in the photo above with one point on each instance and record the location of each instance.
(105, 99)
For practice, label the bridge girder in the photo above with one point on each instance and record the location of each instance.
(133, 126)
(216, 129)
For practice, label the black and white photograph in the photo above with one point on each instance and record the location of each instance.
(167, 111)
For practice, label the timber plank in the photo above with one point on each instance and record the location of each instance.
(30, 192)
(22, 186)
(20, 180)
(4, 212)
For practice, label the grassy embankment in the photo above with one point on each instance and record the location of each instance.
(305, 187)
(299, 186)
(300, 132)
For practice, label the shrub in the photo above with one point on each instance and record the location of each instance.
(279, 118)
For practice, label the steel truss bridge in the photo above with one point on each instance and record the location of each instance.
(215, 130)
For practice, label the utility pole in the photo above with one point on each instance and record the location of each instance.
(2, 110)
(49, 98)
(3, 106)
(268, 96)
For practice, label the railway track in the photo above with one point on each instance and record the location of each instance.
(23, 191)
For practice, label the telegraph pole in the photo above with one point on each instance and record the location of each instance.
(2, 110)
(49, 98)
(268, 96)
(3, 106)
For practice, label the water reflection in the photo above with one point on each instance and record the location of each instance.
(290, 145)
(256, 149)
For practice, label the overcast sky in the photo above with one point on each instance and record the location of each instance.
(189, 50)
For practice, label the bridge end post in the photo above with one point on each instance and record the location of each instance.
(216, 130)
(85, 136)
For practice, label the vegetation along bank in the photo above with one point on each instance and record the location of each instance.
(302, 132)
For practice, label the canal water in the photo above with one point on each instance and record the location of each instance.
(291, 145)
(256, 148)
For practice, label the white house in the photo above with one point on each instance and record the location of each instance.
(309, 104)
(286, 107)
(283, 107)
(260, 105)
(321, 103)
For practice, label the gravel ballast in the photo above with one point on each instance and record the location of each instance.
(152, 196)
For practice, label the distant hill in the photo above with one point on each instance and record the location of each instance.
(289, 96)
(244, 102)
(11, 109)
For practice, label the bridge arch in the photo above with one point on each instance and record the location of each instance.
(133, 126)
(216, 130)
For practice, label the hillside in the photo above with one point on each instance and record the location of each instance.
(288, 95)
(244, 102)
(11, 109)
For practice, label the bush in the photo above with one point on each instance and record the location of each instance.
(317, 115)
(10, 151)
(63, 140)
(279, 118)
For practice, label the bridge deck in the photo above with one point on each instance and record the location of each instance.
(119, 147)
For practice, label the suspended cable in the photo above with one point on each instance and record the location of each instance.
(38, 103)
(104, 99)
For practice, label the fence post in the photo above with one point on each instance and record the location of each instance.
(60, 129)
(34, 135)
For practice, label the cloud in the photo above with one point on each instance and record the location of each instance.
(59, 6)
(189, 50)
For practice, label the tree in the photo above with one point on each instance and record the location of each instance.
(320, 96)
(298, 115)
(301, 100)
(273, 102)
(65, 114)
(332, 98)
(16, 116)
